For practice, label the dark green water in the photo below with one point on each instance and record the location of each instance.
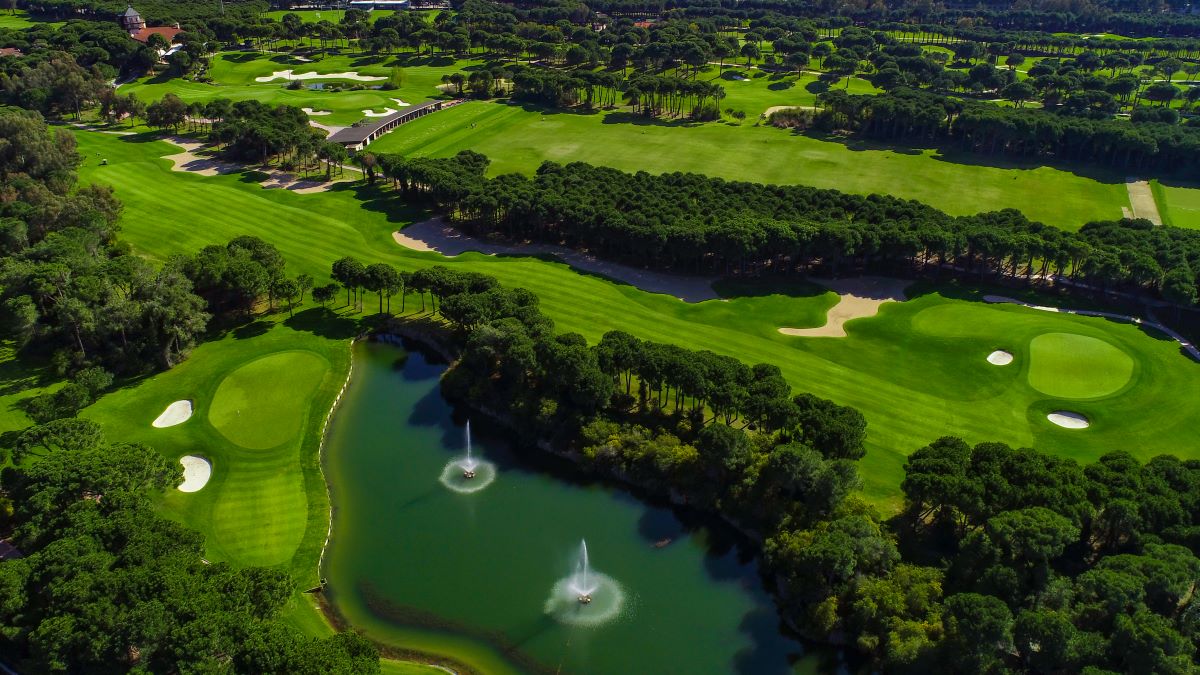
(418, 566)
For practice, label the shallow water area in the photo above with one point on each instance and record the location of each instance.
(490, 578)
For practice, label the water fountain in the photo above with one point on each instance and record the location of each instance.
(585, 597)
(468, 474)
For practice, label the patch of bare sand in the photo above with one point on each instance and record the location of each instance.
(1141, 198)
(776, 108)
(860, 297)
(191, 161)
(437, 236)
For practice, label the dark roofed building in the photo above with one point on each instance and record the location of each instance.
(358, 136)
(131, 20)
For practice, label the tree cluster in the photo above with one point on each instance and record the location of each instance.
(70, 290)
(109, 585)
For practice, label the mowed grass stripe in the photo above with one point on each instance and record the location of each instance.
(913, 386)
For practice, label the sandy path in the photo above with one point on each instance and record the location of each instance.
(191, 162)
(290, 75)
(1141, 198)
(861, 297)
(1183, 342)
(327, 128)
(435, 235)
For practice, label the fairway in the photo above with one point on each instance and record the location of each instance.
(1179, 206)
(917, 370)
(519, 139)
(263, 403)
(1068, 365)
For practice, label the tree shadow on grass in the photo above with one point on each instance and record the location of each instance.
(252, 330)
(817, 87)
(380, 199)
(759, 287)
(644, 121)
(782, 85)
(323, 322)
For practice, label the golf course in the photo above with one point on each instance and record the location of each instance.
(699, 340)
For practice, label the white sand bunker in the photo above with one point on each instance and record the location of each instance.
(310, 111)
(289, 75)
(401, 103)
(860, 298)
(176, 413)
(369, 112)
(196, 472)
(1000, 358)
(1068, 420)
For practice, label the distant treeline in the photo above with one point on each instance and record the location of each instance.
(695, 223)
(1003, 560)
(913, 115)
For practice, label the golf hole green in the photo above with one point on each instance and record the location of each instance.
(263, 402)
(1068, 365)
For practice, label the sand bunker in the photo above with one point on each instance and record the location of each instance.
(289, 75)
(860, 298)
(176, 413)
(776, 108)
(370, 112)
(1068, 420)
(435, 235)
(401, 103)
(1000, 358)
(196, 472)
(310, 111)
(191, 162)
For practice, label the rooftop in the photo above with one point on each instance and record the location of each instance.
(168, 33)
(363, 131)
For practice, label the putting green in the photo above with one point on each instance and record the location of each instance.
(1069, 365)
(263, 403)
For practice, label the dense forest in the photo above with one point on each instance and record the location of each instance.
(694, 223)
(1004, 560)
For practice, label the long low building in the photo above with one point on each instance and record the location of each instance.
(361, 134)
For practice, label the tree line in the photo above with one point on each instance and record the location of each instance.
(699, 224)
(912, 115)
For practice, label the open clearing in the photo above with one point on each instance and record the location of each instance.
(519, 139)
(1068, 365)
(924, 356)
(858, 298)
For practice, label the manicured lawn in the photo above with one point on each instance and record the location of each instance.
(518, 138)
(1178, 205)
(917, 371)
(263, 403)
(21, 19)
(333, 16)
(1069, 365)
(234, 73)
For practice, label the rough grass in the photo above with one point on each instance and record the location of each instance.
(518, 138)
(1068, 365)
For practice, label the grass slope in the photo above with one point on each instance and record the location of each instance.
(1178, 205)
(520, 138)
